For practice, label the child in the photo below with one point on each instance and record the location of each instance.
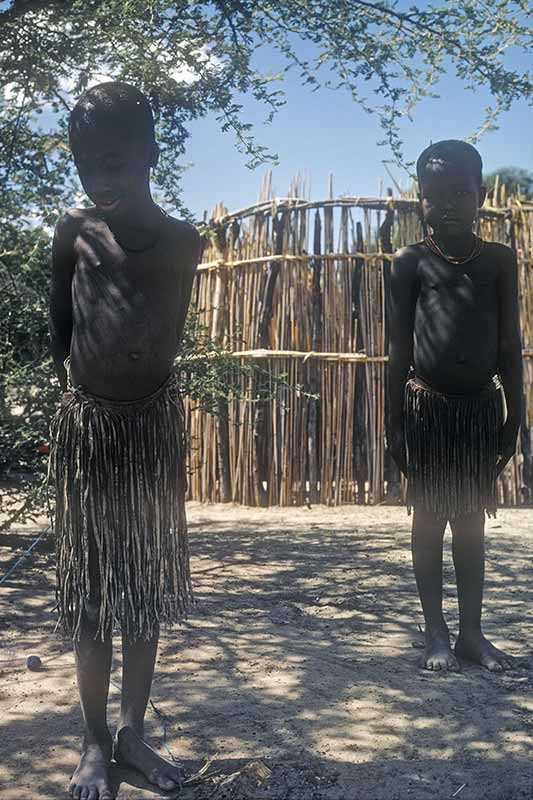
(454, 334)
(121, 283)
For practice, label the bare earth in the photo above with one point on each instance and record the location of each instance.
(302, 656)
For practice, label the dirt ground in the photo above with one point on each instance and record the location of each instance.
(298, 673)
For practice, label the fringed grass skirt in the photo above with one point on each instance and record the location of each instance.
(452, 449)
(121, 533)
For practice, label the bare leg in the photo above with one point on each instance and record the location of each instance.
(130, 747)
(469, 560)
(93, 667)
(427, 535)
(138, 669)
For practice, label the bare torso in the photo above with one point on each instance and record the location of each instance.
(455, 341)
(128, 308)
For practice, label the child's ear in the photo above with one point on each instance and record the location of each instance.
(482, 194)
(154, 155)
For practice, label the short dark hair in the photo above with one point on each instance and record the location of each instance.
(450, 152)
(112, 103)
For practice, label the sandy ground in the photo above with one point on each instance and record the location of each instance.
(303, 655)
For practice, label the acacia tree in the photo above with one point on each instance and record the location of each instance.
(193, 57)
(515, 179)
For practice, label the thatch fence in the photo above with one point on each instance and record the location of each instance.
(300, 288)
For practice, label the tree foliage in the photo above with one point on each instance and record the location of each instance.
(29, 389)
(516, 180)
(193, 57)
(26, 389)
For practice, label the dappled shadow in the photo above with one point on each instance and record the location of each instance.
(25, 605)
(300, 652)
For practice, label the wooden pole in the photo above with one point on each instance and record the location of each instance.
(313, 370)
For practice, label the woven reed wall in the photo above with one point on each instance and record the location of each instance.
(307, 282)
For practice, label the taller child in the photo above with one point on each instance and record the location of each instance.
(454, 321)
(121, 283)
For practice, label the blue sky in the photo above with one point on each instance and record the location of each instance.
(322, 132)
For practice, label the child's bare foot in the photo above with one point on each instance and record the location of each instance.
(475, 647)
(132, 751)
(438, 653)
(91, 778)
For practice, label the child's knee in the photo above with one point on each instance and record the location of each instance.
(427, 523)
(468, 525)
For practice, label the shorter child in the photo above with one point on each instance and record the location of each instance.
(454, 336)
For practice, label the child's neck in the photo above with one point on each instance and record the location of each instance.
(143, 215)
(140, 226)
(455, 245)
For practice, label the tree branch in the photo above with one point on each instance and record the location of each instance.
(443, 33)
(21, 7)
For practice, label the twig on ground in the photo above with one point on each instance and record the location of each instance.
(203, 775)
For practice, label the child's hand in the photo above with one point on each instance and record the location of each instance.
(98, 245)
(398, 452)
(507, 445)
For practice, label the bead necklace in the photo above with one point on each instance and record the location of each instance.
(474, 253)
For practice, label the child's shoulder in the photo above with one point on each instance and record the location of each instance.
(499, 260)
(409, 251)
(184, 238)
(183, 230)
(406, 259)
(498, 252)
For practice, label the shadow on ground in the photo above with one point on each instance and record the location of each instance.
(300, 654)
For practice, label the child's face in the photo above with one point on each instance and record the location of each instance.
(114, 169)
(450, 201)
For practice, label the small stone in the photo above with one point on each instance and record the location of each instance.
(33, 663)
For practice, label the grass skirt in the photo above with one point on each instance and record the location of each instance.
(452, 449)
(121, 535)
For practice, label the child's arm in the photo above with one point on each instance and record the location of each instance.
(509, 354)
(402, 309)
(60, 308)
(190, 251)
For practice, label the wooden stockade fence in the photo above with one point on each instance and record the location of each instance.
(300, 288)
